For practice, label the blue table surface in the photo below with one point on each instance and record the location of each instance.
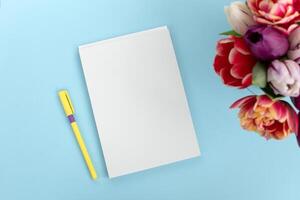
(39, 157)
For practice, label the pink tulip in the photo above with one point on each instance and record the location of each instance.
(268, 117)
(294, 50)
(282, 14)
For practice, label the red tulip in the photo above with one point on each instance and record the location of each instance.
(234, 62)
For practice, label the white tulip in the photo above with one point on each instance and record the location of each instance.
(239, 17)
(284, 77)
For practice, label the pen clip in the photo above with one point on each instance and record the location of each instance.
(69, 102)
(66, 102)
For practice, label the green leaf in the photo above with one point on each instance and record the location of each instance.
(259, 78)
(259, 75)
(231, 32)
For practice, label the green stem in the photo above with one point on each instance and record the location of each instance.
(268, 90)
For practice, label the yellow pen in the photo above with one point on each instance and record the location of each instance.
(69, 110)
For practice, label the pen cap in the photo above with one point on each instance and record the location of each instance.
(66, 102)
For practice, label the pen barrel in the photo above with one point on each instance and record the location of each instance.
(83, 148)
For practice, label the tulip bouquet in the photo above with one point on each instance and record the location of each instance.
(263, 50)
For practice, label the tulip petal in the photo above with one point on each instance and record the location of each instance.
(221, 62)
(247, 81)
(294, 39)
(286, 29)
(272, 128)
(241, 46)
(241, 70)
(264, 6)
(246, 110)
(224, 46)
(282, 131)
(252, 5)
(286, 129)
(235, 57)
(287, 19)
(244, 100)
(292, 119)
(294, 55)
(280, 111)
(228, 79)
(278, 10)
(264, 101)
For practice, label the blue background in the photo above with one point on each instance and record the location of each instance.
(39, 157)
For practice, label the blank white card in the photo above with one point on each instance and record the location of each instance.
(138, 101)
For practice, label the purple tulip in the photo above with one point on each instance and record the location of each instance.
(266, 43)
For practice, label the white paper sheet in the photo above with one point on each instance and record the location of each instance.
(138, 101)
